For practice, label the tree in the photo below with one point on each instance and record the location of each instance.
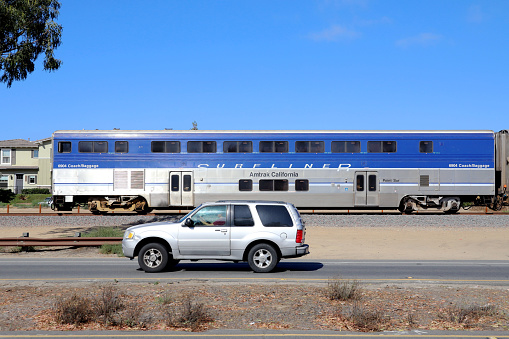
(195, 126)
(27, 29)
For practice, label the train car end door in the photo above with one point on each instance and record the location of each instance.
(181, 188)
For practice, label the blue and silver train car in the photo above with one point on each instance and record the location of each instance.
(143, 170)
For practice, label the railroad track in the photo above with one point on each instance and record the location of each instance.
(179, 212)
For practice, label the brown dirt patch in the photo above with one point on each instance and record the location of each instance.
(267, 306)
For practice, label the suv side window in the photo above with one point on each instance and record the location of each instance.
(271, 215)
(242, 216)
(210, 216)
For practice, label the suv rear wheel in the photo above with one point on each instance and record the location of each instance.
(262, 258)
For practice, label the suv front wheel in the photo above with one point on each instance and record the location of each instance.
(153, 257)
(262, 258)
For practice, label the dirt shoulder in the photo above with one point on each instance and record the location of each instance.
(354, 243)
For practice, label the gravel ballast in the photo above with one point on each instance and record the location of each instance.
(332, 220)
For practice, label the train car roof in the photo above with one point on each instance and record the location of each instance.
(116, 131)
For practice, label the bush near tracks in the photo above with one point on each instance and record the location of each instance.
(108, 232)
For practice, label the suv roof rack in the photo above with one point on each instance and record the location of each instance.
(254, 201)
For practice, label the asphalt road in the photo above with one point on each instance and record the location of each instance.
(305, 271)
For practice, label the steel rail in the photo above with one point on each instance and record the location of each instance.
(70, 241)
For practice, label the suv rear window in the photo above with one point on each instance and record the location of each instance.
(274, 215)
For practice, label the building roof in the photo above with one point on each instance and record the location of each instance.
(17, 143)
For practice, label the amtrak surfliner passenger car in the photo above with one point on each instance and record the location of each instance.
(406, 170)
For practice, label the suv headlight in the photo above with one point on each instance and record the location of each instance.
(129, 235)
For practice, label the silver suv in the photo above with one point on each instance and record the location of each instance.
(259, 232)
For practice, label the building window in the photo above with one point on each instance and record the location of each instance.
(426, 146)
(64, 147)
(309, 147)
(346, 147)
(32, 179)
(35, 154)
(237, 147)
(381, 146)
(302, 185)
(273, 185)
(246, 185)
(93, 147)
(121, 147)
(274, 146)
(4, 180)
(165, 146)
(201, 147)
(6, 156)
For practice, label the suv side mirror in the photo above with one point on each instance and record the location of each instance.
(189, 222)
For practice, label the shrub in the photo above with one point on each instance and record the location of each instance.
(133, 316)
(108, 232)
(188, 314)
(467, 314)
(107, 305)
(339, 289)
(73, 310)
(6, 195)
(364, 320)
(35, 191)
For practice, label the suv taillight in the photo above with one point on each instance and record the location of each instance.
(299, 236)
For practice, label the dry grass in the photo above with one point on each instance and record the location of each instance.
(196, 306)
(343, 289)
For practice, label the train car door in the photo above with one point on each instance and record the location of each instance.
(181, 188)
(367, 189)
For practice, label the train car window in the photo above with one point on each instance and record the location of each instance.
(187, 183)
(372, 183)
(346, 147)
(280, 185)
(389, 146)
(165, 146)
(426, 146)
(302, 185)
(374, 147)
(121, 147)
(242, 216)
(85, 146)
(245, 185)
(274, 146)
(238, 147)
(309, 146)
(201, 147)
(273, 185)
(93, 147)
(381, 146)
(175, 183)
(64, 147)
(266, 185)
(360, 183)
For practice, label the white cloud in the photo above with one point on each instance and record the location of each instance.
(382, 21)
(475, 14)
(423, 39)
(334, 33)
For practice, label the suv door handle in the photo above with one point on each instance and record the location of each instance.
(222, 230)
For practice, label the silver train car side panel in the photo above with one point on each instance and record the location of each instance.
(108, 181)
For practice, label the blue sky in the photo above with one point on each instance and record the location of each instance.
(296, 65)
